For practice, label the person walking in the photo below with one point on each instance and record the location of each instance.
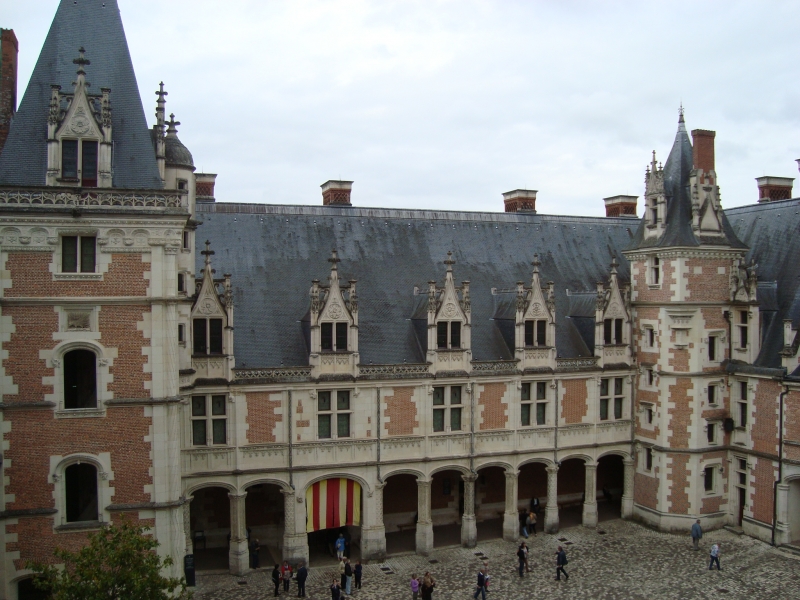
(342, 576)
(302, 575)
(254, 549)
(340, 543)
(532, 525)
(336, 591)
(428, 583)
(697, 533)
(715, 552)
(415, 585)
(523, 519)
(286, 575)
(561, 562)
(481, 589)
(357, 571)
(348, 577)
(276, 578)
(521, 559)
(527, 555)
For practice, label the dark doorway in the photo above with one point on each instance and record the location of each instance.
(210, 523)
(610, 487)
(400, 513)
(740, 508)
(80, 484)
(571, 488)
(27, 591)
(447, 506)
(490, 502)
(265, 522)
(80, 379)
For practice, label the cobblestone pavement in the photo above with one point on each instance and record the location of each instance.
(619, 560)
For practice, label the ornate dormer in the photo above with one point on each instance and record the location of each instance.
(449, 320)
(535, 324)
(655, 199)
(212, 324)
(79, 141)
(612, 321)
(334, 325)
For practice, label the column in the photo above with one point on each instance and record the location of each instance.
(627, 490)
(295, 543)
(238, 557)
(424, 524)
(511, 515)
(551, 510)
(782, 533)
(187, 525)
(590, 496)
(373, 532)
(469, 528)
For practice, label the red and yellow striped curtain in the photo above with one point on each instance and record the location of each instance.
(332, 503)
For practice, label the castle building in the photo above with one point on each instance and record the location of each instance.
(392, 374)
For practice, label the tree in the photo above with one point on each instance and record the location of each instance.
(118, 563)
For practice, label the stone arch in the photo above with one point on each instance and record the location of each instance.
(536, 459)
(284, 485)
(459, 468)
(624, 455)
(403, 471)
(102, 491)
(365, 488)
(507, 467)
(191, 490)
(587, 460)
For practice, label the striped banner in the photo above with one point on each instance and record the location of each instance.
(333, 503)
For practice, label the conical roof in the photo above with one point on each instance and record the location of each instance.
(97, 26)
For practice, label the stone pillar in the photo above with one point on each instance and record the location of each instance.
(295, 540)
(590, 496)
(627, 491)
(373, 532)
(551, 510)
(469, 528)
(238, 557)
(187, 525)
(511, 515)
(782, 534)
(424, 523)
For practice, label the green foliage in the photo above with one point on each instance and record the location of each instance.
(118, 563)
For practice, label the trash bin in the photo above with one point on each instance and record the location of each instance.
(188, 569)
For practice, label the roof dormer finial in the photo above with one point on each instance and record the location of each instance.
(449, 262)
(81, 61)
(208, 253)
(334, 259)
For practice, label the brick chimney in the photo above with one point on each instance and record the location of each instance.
(621, 206)
(703, 149)
(204, 186)
(520, 201)
(9, 48)
(774, 188)
(336, 193)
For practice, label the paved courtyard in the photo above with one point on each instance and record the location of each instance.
(619, 560)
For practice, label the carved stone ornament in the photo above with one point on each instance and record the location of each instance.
(206, 306)
(449, 310)
(80, 124)
(536, 308)
(79, 321)
(335, 310)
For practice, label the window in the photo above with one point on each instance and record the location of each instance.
(77, 254)
(330, 414)
(648, 414)
(448, 335)
(654, 213)
(529, 405)
(609, 400)
(69, 159)
(651, 377)
(648, 459)
(447, 408)
(712, 348)
(333, 337)
(708, 478)
(89, 163)
(742, 471)
(536, 332)
(185, 240)
(209, 417)
(181, 282)
(650, 337)
(712, 394)
(612, 331)
(743, 410)
(711, 433)
(80, 379)
(80, 487)
(87, 158)
(655, 270)
(183, 184)
(181, 333)
(207, 336)
(743, 320)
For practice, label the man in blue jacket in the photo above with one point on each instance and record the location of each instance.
(481, 585)
(697, 533)
(561, 561)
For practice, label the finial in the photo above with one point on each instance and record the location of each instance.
(536, 263)
(680, 113)
(208, 253)
(334, 259)
(614, 264)
(449, 262)
(172, 124)
(81, 61)
(161, 93)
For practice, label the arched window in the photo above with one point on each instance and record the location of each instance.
(27, 591)
(80, 379)
(80, 487)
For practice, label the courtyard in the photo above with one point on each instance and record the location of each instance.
(618, 560)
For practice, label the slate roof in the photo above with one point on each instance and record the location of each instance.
(274, 251)
(97, 26)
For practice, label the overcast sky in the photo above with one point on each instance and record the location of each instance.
(447, 105)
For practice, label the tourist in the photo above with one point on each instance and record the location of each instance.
(340, 543)
(276, 578)
(535, 506)
(336, 592)
(286, 575)
(414, 587)
(527, 555)
(357, 570)
(481, 589)
(428, 584)
(561, 562)
(532, 525)
(302, 575)
(521, 556)
(523, 523)
(348, 577)
(697, 533)
(254, 549)
(342, 576)
(715, 551)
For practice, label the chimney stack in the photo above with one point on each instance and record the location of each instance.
(9, 48)
(336, 193)
(774, 188)
(204, 187)
(621, 206)
(520, 201)
(703, 149)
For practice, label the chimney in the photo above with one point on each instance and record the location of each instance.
(703, 149)
(520, 201)
(9, 48)
(774, 188)
(621, 206)
(204, 187)
(336, 193)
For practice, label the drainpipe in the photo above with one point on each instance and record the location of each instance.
(780, 465)
(291, 481)
(378, 425)
(727, 315)
(472, 427)
(555, 433)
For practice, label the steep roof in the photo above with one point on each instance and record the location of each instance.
(97, 26)
(274, 251)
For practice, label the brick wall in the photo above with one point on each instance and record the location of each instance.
(571, 477)
(492, 409)
(704, 282)
(645, 489)
(490, 486)
(574, 402)
(765, 411)
(668, 281)
(791, 419)
(400, 494)
(438, 498)
(678, 479)
(262, 416)
(119, 327)
(765, 473)
(715, 503)
(532, 482)
(401, 412)
(34, 329)
(680, 413)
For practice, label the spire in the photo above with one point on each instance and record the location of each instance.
(81, 61)
(172, 126)
(681, 121)
(449, 262)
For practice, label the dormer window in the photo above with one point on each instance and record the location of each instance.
(448, 335)
(655, 271)
(207, 336)
(654, 214)
(83, 154)
(612, 331)
(535, 332)
(333, 337)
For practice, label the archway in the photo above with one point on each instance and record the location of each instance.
(27, 591)
(400, 507)
(610, 486)
(793, 507)
(264, 516)
(447, 507)
(571, 487)
(490, 502)
(210, 523)
(334, 508)
(532, 492)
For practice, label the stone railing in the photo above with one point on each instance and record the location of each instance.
(277, 374)
(488, 367)
(576, 364)
(95, 197)
(394, 371)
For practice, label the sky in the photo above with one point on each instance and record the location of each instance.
(445, 105)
